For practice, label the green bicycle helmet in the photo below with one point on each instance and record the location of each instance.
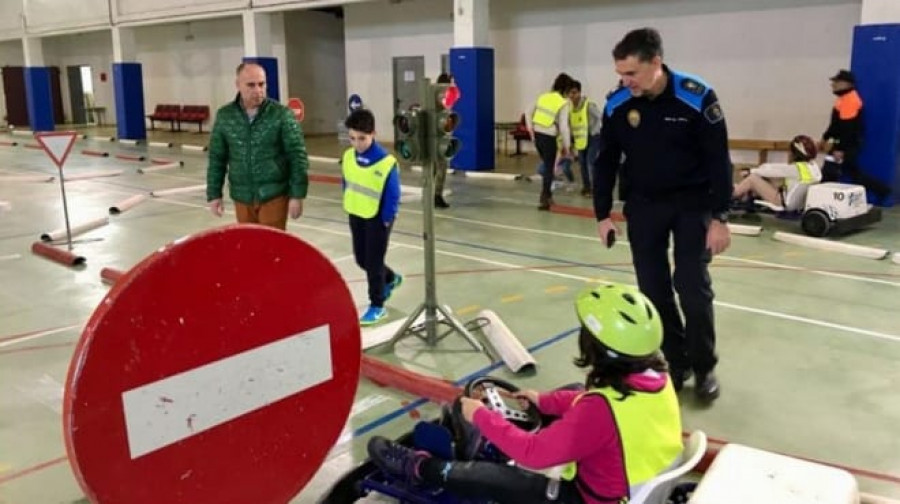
(622, 319)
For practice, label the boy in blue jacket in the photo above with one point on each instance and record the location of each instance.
(371, 183)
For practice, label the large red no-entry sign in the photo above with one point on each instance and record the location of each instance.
(222, 368)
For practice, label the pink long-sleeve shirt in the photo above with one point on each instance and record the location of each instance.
(585, 432)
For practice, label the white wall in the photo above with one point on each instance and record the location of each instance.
(880, 11)
(316, 67)
(193, 63)
(48, 15)
(91, 48)
(376, 32)
(771, 74)
(10, 20)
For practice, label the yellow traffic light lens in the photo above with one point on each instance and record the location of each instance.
(447, 122)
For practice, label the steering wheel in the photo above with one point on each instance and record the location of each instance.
(528, 419)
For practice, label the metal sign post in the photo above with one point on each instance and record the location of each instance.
(57, 145)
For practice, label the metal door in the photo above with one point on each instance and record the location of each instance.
(76, 94)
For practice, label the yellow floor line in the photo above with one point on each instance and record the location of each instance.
(556, 289)
(468, 309)
(512, 299)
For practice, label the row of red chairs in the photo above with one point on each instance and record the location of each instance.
(177, 114)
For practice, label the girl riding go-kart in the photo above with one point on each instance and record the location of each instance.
(618, 434)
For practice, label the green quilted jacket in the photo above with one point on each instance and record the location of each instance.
(263, 159)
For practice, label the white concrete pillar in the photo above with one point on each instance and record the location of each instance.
(257, 34)
(33, 47)
(471, 23)
(880, 12)
(124, 46)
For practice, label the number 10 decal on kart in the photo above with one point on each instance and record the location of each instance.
(448, 437)
(837, 208)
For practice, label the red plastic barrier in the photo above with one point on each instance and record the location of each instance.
(110, 276)
(160, 161)
(328, 179)
(129, 157)
(56, 254)
(433, 389)
(95, 153)
(583, 212)
(9, 144)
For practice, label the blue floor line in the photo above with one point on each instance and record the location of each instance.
(378, 422)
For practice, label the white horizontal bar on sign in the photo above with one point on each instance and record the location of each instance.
(159, 167)
(201, 148)
(90, 175)
(167, 411)
(27, 178)
(178, 190)
(740, 229)
(831, 246)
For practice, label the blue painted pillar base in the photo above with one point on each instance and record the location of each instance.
(270, 65)
(128, 84)
(39, 98)
(473, 72)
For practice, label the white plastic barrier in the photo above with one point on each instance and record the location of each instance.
(831, 246)
(128, 204)
(510, 349)
(178, 190)
(59, 234)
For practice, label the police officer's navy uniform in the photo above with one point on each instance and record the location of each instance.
(676, 173)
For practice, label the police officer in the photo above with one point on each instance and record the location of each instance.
(677, 175)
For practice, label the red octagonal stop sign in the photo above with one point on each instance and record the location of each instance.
(222, 368)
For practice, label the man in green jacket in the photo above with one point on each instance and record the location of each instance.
(259, 144)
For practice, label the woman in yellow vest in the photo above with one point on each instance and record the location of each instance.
(619, 433)
(372, 198)
(797, 174)
(547, 121)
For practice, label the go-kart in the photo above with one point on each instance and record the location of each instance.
(448, 437)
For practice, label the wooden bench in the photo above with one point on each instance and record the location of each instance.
(763, 147)
(193, 114)
(165, 112)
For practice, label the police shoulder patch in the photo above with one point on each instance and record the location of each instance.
(692, 86)
(713, 113)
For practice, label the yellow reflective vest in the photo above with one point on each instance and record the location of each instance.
(363, 187)
(578, 120)
(547, 108)
(649, 426)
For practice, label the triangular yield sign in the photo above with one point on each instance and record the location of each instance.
(57, 145)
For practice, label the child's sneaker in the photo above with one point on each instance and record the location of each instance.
(372, 315)
(396, 459)
(393, 284)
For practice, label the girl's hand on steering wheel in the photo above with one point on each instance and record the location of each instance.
(469, 407)
(526, 397)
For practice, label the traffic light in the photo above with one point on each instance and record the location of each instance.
(410, 134)
(445, 145)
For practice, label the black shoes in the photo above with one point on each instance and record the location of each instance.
(440, 202)
(706, 386)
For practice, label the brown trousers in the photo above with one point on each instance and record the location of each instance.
(272, 213)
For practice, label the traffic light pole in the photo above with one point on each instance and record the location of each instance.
(430, 307)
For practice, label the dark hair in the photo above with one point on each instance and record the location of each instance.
(361, 120)
(608, 371)
(444, 78)
(563, 83)
(644, 44)
(576, 85)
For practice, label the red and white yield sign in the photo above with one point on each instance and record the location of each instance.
(222, 368)
(57, 145)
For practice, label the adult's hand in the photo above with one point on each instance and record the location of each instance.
(295, 208)
(216, 207)
(604, 227)
(718, 237)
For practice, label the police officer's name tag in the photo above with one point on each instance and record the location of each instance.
(713, 113)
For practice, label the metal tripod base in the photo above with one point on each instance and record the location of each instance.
(428, 331)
